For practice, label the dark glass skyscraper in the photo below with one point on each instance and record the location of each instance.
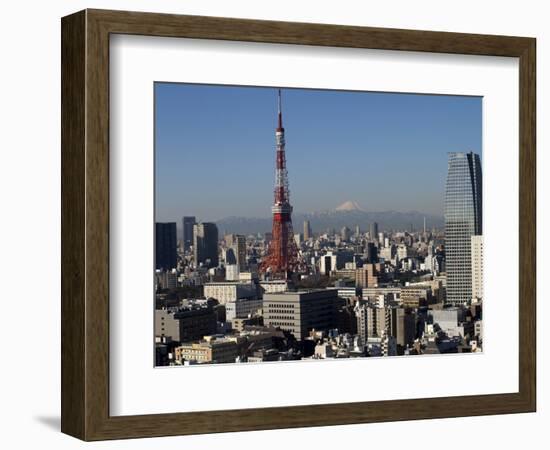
(373, 231)
(205, 244)
(165, 245)
(463, 219)
(188, 224)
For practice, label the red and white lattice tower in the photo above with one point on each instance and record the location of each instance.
(282, 256)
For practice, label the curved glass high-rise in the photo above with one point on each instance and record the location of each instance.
(463, 219)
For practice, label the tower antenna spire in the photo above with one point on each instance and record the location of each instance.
(279, 110)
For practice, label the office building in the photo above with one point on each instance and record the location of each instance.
(402, 252)
(463, 209)
(195, 321)
(373, 231)
(361, 312)
(371, 251)
(451, 321)
(166, 325)
(273, 286)
(405, 328)
(369, 275)
(188, 224)
(213, 351)
(166, 279)
(307, 230)
(387, 292)
(232, 272)
(415, 296)
(237, 242)
(301, 312)
(477, 267)
(388, 253)
(239, 324)
(226, 291)
(166, 251)
(349, 293)
(242, 307)
(345, 234)
(375, 321)
(229, 257)
(205, 244)
(328, 263)
(429, 259)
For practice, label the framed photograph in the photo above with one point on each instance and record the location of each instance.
(275, 225)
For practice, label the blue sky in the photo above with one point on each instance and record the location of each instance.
(215, 149)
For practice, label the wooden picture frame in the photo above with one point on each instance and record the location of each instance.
(85, 224)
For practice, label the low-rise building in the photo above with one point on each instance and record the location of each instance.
(452, 322)
(218, 350)
(239, 324)
(195, 322)
(415, 296)
(324, 350)
(226, 291)
(273, 286)
(166, 325)
(242, 307)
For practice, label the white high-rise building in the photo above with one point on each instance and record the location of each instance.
(477, 267)
(429, 260)
(402, 252)
(361, 316)
(328, 263)
(232, 272)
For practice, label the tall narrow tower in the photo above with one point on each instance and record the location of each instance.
(282, 257)
(463, 219)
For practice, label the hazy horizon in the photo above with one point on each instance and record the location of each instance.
(215, 149)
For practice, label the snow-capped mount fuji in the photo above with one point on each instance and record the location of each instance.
(349, 205)
(349, 214)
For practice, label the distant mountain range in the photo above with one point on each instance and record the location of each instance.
(347, 214)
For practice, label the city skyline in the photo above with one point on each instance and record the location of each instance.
(284, 296)
(239, 121)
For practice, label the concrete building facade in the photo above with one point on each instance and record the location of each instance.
(300, 312)
(225, 291)
(242, 307)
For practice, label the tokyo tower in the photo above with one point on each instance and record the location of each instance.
(282, 256)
